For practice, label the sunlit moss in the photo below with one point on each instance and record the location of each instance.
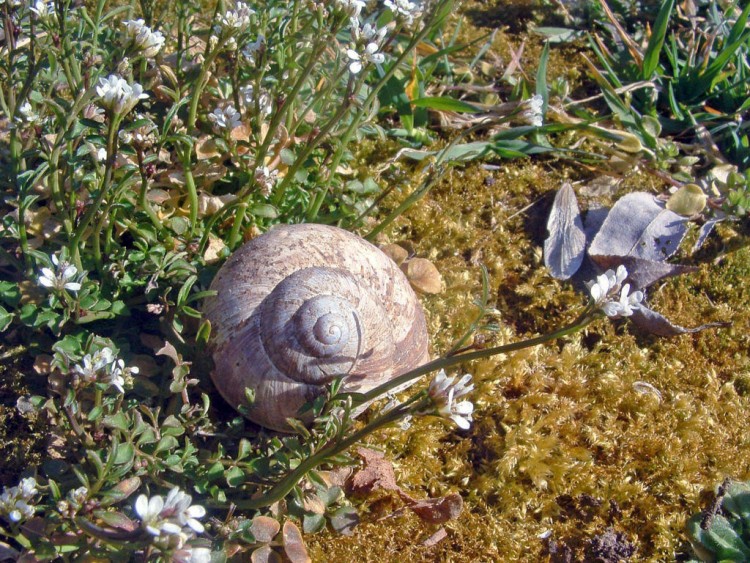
(610, 428)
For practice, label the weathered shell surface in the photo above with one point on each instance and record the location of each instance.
(303, 304)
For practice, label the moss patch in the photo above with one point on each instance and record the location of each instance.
(608, 435)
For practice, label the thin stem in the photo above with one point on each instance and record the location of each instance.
(94, 208)
(445, 362)
(284, 487)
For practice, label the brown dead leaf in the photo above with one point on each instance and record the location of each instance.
(241, 132)
(435, 538)
(423, 275)
(214, 249)
(376, 473)
(395, 252)
(171, 352)
(312, 503)
(436, 510)
(264, 528)
(208, 204)
(265, 554)
(205, 148)
(294, 545)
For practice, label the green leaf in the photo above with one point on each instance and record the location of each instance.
(5, 318)
(10, 293)
(166, 443)
(443, 103)
(119, 421)
(656, 41)
(244, 449)
(265, 210)
(235, 476)
(541, 77)
(313, 523)
(124, 454)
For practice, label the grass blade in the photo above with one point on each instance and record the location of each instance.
(656, 42)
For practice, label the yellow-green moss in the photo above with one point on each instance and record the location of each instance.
(566, 437)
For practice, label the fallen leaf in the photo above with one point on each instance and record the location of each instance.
(689, 200)
(435, 538)
(658, 324)
(565, 246)
(205, 148)
(395, 252)
(423, 275)
(376, 473)
(436, 510)
(214, 250)
(264, 528)
(265, 554)
(642, 273)
(294, 545)
(639, 225)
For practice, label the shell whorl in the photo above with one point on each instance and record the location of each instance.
(304, 304)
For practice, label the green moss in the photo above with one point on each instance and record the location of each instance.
(567, 437)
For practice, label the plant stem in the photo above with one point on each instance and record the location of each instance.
(284, 487)
(449, 361)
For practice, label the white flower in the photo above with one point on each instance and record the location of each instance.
(41, 8)
(224, 119)
(444, 391)
(167, 517)
(237, 19)
(368, 33)
(60, 278)
(15, 501)
(265, 105)
(613, 298)
(266, 179)
(192, 555)
(370, 55)
(149, 510)
(178, 506)
(404, 9)
(350, 7)
(27, 113)
(117, 95)
(142, 38)
(531, 111)
(251, 48)
(119, 375)
(94, 363)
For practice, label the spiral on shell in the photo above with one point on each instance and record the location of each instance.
(304, 304)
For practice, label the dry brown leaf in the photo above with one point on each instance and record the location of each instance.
(436, 510)
(294, 545)
(395, 252)
(241, 132)
(265, 554)
(376, 473)
(435, 538)
(313, 504)
(205, 148)
(213, 249)
(264, 528)
(423, 275)
(209, 204)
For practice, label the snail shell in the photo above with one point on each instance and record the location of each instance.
(304, 304)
